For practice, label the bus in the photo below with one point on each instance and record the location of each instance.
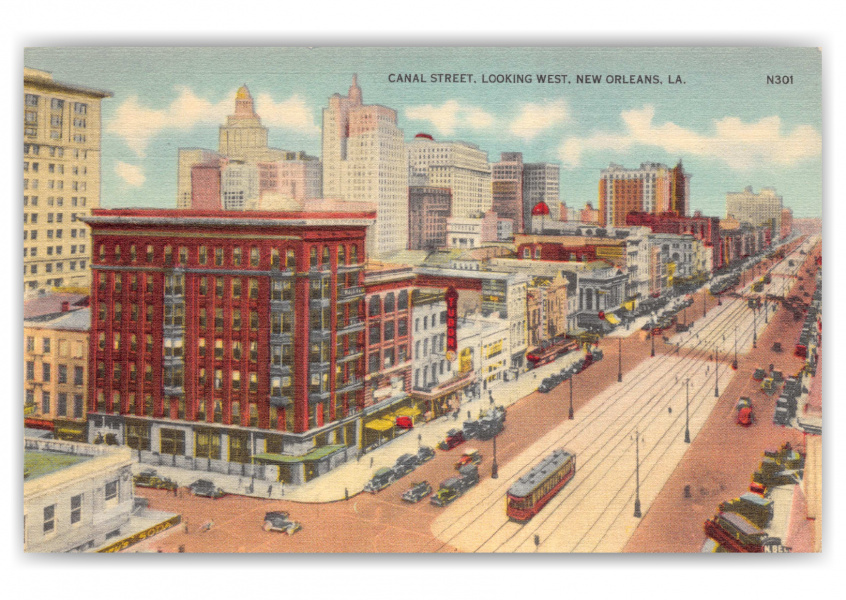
(546, 354)
(525, 498)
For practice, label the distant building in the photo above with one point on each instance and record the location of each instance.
(763, 208)
(429, 209)
(458, 166)
(541, 184)
(364, 160)
(61, 163)
(56, 368)
(786, 222)
(244, 167)
(507, 188)
(546, 307)
(653, 188)
(705, 229)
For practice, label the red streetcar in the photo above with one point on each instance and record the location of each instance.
(525, 498)
(546, 354)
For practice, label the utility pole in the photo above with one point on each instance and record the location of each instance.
(637, 512)
(687, 411)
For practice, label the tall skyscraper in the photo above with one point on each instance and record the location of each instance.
(364, 160)
(541, 184)
(244, 167)
(507, 188)
(459, 166)
(653, 188)
(61, 180)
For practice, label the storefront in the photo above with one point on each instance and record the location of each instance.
(300, 469)
(72, 431)
(444, 398)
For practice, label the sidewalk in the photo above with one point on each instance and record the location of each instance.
(350, 477)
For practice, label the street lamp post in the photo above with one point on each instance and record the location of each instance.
(652, 335)
(637, 512)
(570, 416)
(494, 466)
(754, 327)
(766, 311)
(716, 372)
(734, 364)
(704, 302)
(687, 411)
(620, 361)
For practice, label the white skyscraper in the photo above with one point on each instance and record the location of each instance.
(364, 160)
(459, 166)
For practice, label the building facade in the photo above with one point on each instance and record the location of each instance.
(364, 160)
(458, 166)
(763, 208)
(507, 188)
(541, 184)
(56, 371)
(653, 188)
(429, 208)
(76, 496)
(218, 337)
(62, 131)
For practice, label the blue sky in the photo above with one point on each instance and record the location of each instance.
(730, 128)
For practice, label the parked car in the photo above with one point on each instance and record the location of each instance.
(471, 456)
(425, 453)
(206, 488)
(278, 520)
(380, 480)
(450, 489)
(417, 492)
(405, 464)
(404, 422)
(149, 478)
(759, 374)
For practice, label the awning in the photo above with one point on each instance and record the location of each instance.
(629, 305)
(408, 411)
(315, 454)
(379, 424)
(612, 318)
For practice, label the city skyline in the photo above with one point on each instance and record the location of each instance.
(726, 142)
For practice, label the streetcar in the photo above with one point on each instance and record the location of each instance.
(546, 354)
(735, 533)
(530, 494)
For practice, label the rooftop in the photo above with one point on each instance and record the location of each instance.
(51, 304)
(38, 463)
(73, 320)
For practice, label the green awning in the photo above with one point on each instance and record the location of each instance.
(315, 454)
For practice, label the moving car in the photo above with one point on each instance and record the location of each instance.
(405, 464)
(471, 456)
(149, 478)
(278, 520)
(417, 492)
(425, 453)
(381, 479)
(454, 437)
(745, 417)
(206, 488)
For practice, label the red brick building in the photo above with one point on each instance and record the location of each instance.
(428, 210)
(230, 336)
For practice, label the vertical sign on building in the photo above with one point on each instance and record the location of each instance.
(451, 297)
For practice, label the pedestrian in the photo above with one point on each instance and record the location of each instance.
(358, 457)
(468, 415)
(270, 490)
(670, 409)
(175, 491)
(371, 462)
(185, 525)
(537, 542)
(346, 494)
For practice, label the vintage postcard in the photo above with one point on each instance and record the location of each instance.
(422, 300)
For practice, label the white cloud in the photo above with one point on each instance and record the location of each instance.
(740, 145)
(293, 113)
(536, 118)
(138, 124)
(131, 174)
(450, 115)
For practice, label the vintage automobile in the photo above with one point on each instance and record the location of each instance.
(777, 347)
(759, 374)
(425, 453)
(454, 438)
(471, 456)
(206, 488)
(380, 480)
(417, 492)
(405, 464)
(404, 422)
(745, 416)
(149, 478)
(278, 520)
(449, 491)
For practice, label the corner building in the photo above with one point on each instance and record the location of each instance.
(227, 341)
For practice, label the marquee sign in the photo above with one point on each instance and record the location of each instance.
(451, 297)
